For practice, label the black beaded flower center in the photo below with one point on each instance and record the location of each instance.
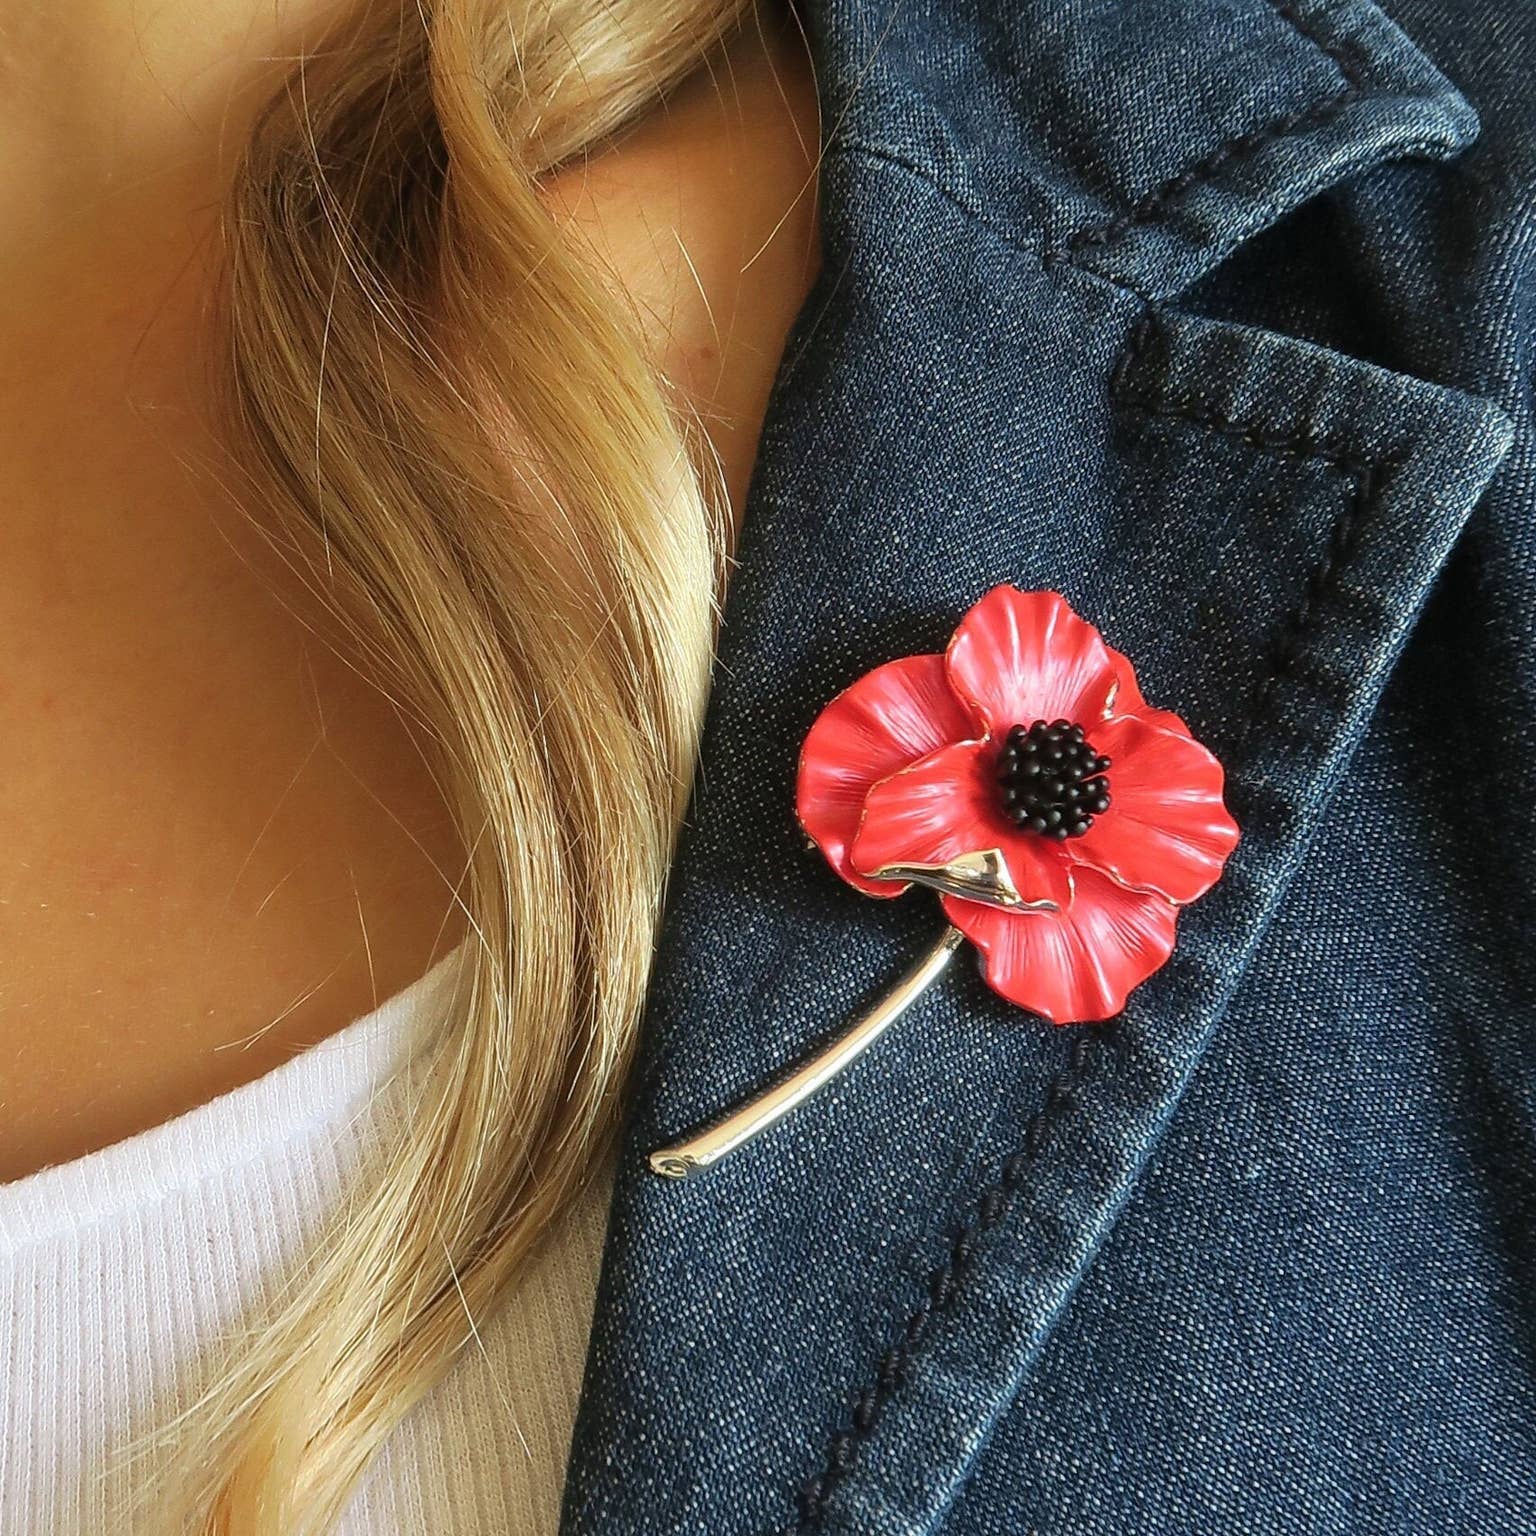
(1052, 781)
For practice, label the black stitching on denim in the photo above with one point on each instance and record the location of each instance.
(1135, 346)
(944, 1283)
(942, 1289)
(1153, 203)
(1340, 547)
(1299, 445)
(1364, 473)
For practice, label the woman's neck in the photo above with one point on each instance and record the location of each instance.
(706, 213)
(217, 835)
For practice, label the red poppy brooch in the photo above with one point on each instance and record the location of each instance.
(1022, 776)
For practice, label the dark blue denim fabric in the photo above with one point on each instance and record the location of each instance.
(1214, 315)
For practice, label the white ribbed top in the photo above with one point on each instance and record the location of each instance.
(120, 1270)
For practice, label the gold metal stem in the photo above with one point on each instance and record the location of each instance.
(708, 1146)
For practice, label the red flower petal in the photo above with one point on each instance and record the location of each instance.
(1026, 656)
(947, 804)
(1127, 698)
(1166, 829)
(1077, 965)
(887, 720)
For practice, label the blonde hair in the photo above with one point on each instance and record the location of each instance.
(448, 417)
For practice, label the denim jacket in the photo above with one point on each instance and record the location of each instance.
(1216, 316)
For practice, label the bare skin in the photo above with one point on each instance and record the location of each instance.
(221, 845)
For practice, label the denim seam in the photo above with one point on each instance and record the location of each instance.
(1051, 261)
(945, 1281)
(1363, 472)
(942, 1292)
(926, 174)
(1243, 145)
